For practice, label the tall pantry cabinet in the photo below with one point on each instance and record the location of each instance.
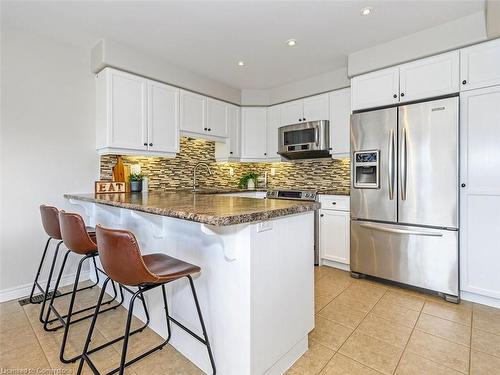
(480, 173)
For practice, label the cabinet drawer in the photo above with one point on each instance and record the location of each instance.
(334, 202)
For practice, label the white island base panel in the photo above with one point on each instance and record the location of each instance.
(256, 287)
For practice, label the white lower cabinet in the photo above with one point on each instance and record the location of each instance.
(334, 229)
(480, 195)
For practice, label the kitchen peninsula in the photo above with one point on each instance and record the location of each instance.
(256, 285)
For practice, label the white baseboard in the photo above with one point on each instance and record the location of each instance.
(331, 263)
(24, 290)
(477, 298)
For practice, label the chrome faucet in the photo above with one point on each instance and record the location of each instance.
(194, 172)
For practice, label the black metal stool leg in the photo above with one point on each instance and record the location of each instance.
(56, 286)
(70, 312)
(127, 332)
(54, 260)
(207, 343)
(35, 283)
(84, 356)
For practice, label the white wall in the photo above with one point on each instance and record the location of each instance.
(451, 35)
(110, 53)
(47, 143)
(333, 80)
(493, 18)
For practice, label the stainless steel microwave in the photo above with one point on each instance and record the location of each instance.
(306, 140)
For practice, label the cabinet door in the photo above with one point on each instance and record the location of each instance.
(127, 111)
(334, 236)
(480, 197)
(193, 112)
(253, 124)
(216, 118)
(316, 108)
(480, 65)
(234, 131)
(163, 117)
(340, 122)
(375, 89)
(292, 112)
(273, 123)
(425, 78)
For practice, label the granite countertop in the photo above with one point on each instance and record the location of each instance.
(213, 209)
(228, 190)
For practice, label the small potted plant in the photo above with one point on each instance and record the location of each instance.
(248, 180)
(136, 182)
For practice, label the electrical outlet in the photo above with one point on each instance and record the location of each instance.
(264, 226)
(273, 171)
(231, 171)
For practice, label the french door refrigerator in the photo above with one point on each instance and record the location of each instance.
(404, 195)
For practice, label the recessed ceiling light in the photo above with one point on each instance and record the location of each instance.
(366, 11)
(291, 42)
(241, 63)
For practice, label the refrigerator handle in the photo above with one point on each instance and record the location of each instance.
(391, 164)
(403, 165)
(401, 231)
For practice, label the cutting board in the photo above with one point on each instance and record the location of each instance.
(119, 170)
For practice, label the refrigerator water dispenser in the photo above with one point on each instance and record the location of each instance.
(366, 169)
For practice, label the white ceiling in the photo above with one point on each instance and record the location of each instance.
(210, 37)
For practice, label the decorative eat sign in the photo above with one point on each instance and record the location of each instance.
(107, 187)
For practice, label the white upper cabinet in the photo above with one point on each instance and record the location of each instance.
(253, 128)
(122, 100)
(292, 112)
(230, 150)
(193, 112)
(216, 118)
(340, 118)
(273, 123)
(316, 108)
(480, 65)
(234, 131)
(375, 89)
(163, 117)
(426, 78)
(135, 116)
(309, 109)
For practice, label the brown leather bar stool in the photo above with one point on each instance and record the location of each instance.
(122, 260)
(79, 242)
(50, 222)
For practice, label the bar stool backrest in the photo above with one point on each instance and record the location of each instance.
(121, 257)
(74, 234)
(50, 221)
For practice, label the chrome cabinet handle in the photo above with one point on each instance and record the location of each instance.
(403, 165)
(391, 164)
(401, 231)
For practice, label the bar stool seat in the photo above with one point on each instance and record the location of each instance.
(167, 268)
(123, 262)
(50, 222)
(79, 241)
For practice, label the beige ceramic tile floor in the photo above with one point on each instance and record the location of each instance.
(362, 327)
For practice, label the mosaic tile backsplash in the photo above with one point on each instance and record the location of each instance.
(165, 173)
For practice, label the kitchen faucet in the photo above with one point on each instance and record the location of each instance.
(194, 172)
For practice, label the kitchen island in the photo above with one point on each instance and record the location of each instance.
(257, 280)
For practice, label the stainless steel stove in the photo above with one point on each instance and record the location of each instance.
(303, 195)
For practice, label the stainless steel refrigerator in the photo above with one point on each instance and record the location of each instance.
(404, 195)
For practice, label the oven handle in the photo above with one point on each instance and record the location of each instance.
(401, 231)
(316, 136)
